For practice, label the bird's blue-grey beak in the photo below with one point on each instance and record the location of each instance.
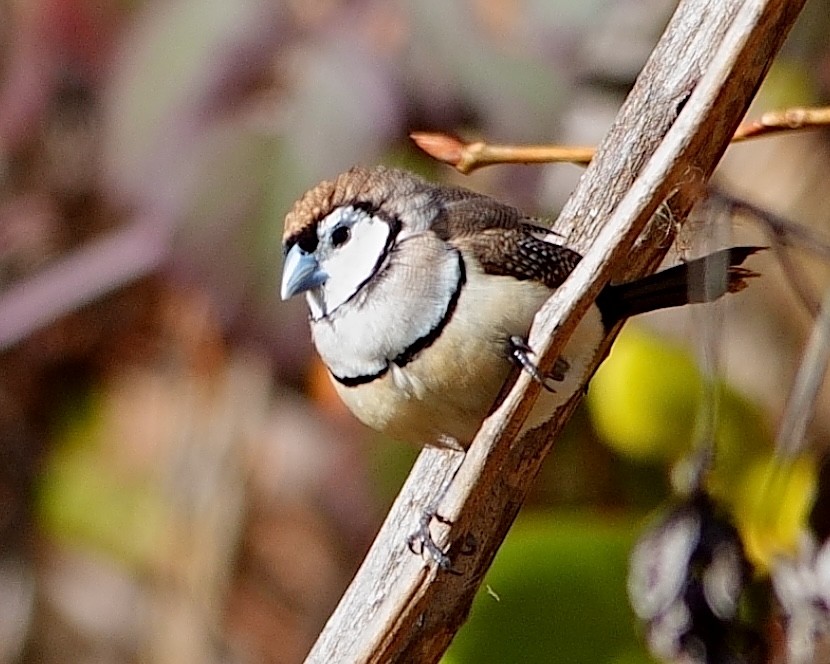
(300, 272)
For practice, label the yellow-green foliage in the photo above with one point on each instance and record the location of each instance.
(87, 499)
(644, 402)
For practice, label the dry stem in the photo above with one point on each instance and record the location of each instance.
(468, 157)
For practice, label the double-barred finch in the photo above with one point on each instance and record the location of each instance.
(421, 297)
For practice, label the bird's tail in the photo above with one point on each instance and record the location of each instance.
(701, 280)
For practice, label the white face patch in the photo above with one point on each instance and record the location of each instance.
(350, 245)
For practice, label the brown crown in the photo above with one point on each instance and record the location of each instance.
(365, 185)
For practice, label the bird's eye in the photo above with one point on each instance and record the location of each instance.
(340, 236)
(308, 243)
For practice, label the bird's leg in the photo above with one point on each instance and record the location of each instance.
(421, 541)
(520, 352)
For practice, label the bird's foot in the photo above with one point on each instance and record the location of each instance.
(421, 542)
(520, 351)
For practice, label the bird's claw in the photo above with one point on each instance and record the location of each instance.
(520, 351)
(421, 542)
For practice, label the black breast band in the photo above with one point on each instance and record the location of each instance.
(410, 352)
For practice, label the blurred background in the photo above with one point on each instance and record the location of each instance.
(178, 482)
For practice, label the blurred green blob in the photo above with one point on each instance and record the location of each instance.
(644, 398)
(644, 403)
(789, 83)
(560, 583)
(83, 499)
(742, 435)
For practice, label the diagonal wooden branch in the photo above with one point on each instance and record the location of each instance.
(709, 62)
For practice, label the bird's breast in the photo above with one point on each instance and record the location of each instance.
(448, 388)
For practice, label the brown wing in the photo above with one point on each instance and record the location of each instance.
(503, 240)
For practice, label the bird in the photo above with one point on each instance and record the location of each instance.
(421, 297)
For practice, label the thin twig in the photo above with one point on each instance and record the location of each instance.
(798, 412)
(783, 233)
(795, 278)
(788, 119)
(709, 323)
(467, 157)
